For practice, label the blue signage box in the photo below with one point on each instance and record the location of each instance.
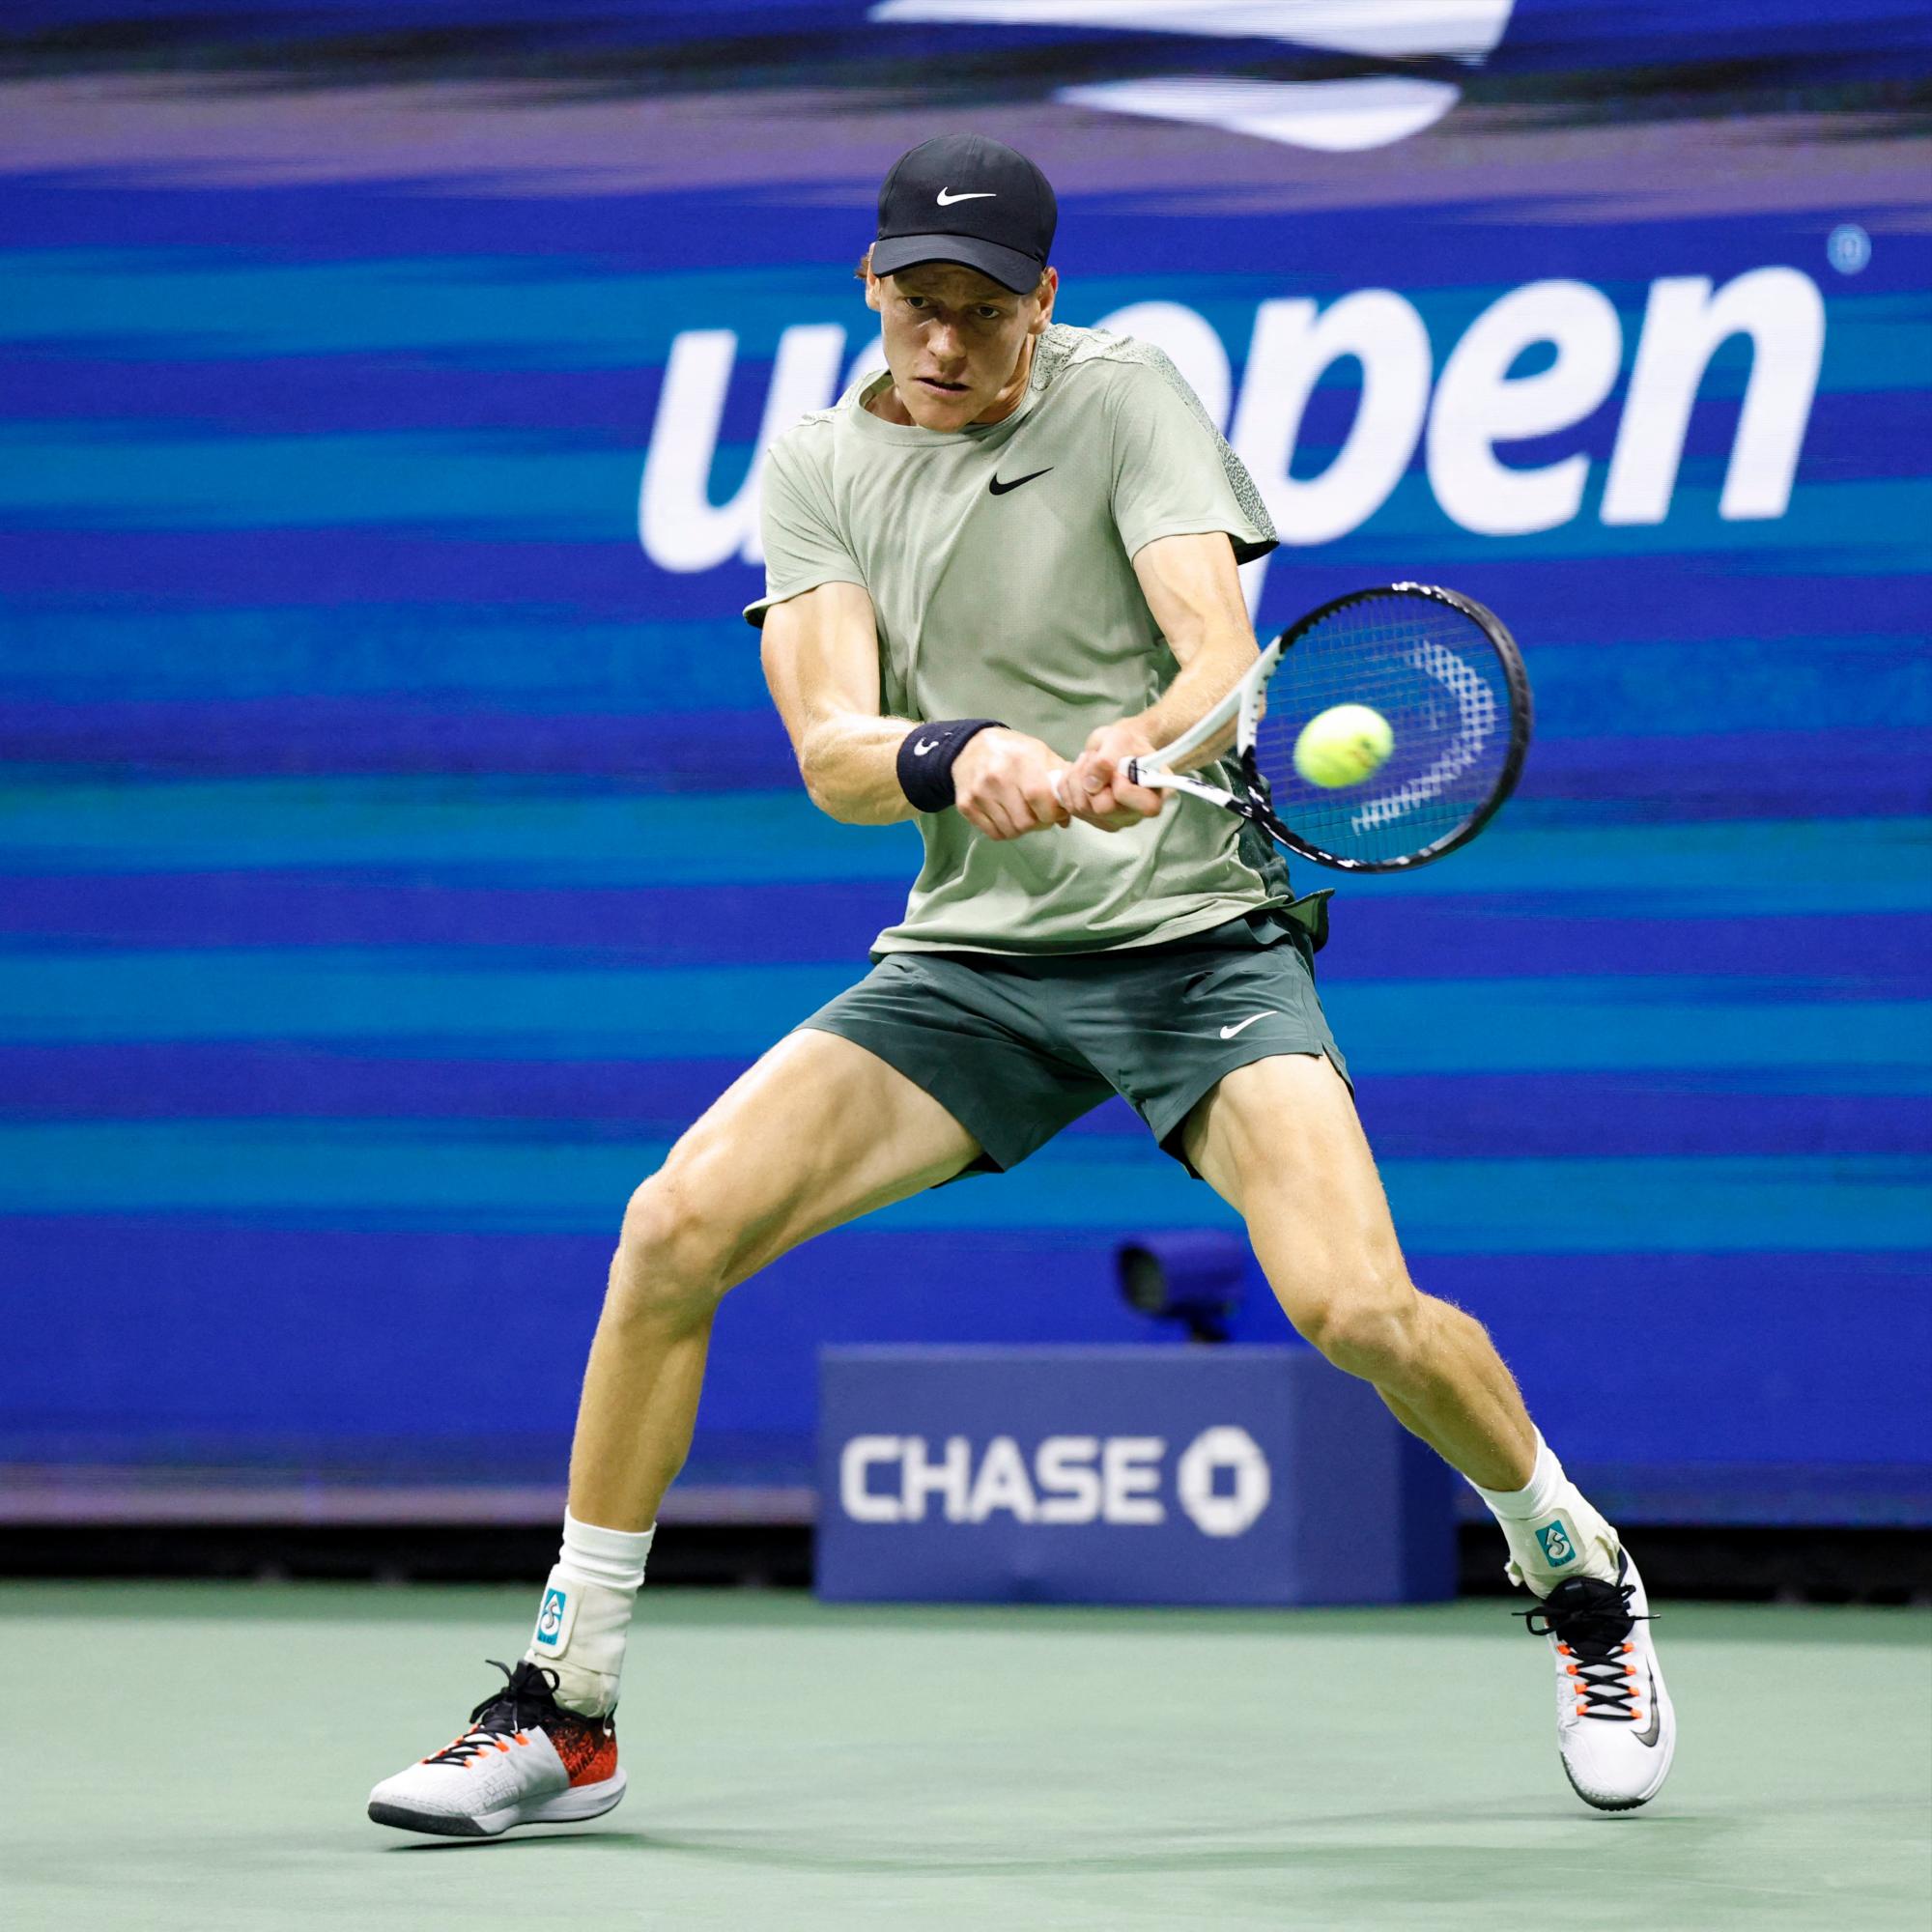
(1121, 1476)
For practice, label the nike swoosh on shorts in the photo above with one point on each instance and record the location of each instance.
(1228, 1033)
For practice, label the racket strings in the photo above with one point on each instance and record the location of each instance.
(1434, 675)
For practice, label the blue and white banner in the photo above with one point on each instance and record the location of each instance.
(1198, 1475)
(398, 846)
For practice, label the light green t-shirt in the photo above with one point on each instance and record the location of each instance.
(1022, 605)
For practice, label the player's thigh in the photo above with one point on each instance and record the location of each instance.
(1279, 1140)
(814, 1134)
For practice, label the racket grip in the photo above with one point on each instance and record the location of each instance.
(1133, 770)
(1059, 777)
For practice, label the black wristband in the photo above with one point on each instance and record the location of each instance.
(925, 758)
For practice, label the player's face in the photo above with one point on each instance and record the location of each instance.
(956, 341)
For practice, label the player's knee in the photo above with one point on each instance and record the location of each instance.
(674, 1255)
(1371, 1330)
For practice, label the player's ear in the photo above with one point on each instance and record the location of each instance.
(1042, 296)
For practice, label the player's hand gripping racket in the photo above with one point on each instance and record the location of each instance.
(1447, 682)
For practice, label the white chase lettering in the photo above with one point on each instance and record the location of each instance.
(1221, 1480)
(947, 1478)
(1130, 1479)
(1001, 1484)
(1072, 1479)
(1062, 1486)
(1070, 1485)
(856, 1496)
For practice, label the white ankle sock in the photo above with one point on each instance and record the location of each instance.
(1552, 1532)
(586, 1614)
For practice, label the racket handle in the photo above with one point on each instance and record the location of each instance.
(1060, 785)
(1133, 770)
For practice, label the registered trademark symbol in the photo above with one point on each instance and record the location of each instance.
(1848, 248)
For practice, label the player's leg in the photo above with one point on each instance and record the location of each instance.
(819, 1132)
(1279, 1140)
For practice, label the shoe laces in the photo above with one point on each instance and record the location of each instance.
(1591, 1623)
(528, 1697)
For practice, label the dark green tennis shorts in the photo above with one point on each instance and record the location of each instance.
(1017, 1047)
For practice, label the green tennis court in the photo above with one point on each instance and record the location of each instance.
(198, 1755)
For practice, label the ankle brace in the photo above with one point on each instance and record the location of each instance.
(584, 1616)
(1552, 1532)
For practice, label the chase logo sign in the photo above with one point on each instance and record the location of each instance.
(1230, 1452)
(1224, 1475)
(1220, 1483)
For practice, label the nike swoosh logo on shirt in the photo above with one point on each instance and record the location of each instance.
(1000, 489)
(1228, 1033)
(946, 198)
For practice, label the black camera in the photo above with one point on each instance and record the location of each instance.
(1195, 1278)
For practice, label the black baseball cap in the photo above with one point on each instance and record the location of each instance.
(966, 198)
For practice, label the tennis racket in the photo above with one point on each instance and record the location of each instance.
(1442, 670)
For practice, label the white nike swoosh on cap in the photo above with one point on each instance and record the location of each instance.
(947, 198)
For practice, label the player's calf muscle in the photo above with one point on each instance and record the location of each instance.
(1374, 1323)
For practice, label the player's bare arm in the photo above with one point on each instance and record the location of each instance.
(1194, 593)
(820, 654)
(821, 658)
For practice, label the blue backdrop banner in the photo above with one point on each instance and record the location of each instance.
(1223, 1475)
(398, 847)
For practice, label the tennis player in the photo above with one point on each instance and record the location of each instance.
(996, 570)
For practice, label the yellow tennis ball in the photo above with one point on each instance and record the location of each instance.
(1343, 746)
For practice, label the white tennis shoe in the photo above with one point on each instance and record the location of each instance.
(1615, 1727)
(525, 1760)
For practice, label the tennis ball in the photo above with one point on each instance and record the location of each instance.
(1343, 746)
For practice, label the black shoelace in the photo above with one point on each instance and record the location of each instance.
(528, 1696)
(1594, 1621)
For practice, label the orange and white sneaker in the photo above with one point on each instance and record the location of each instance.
(1616, 1726)
(525, 1760)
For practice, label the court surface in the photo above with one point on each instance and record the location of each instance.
(199, 1755)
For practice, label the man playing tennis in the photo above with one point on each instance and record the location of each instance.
(996, 572)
